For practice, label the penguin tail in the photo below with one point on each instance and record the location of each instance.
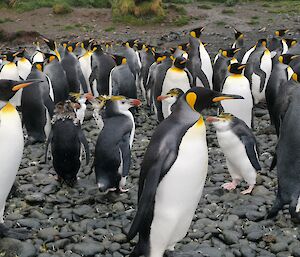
(274, 162)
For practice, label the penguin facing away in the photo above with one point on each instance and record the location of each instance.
(238, 84)
(239, 147)
(66, 138)
(112, 151)
(172, 176)
(11, 146)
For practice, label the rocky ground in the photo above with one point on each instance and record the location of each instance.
(80, 221)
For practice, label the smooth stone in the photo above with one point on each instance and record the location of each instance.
(13, 247)
(30, 223)
(230, 237)
(35, 198)
(48, 233)
(279, 247)
(87, 249)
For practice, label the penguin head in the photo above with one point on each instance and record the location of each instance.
(229, 52)
(287, 58)
(50, 43)
(200, 98)
(8, 88)
(38, 65)
(236, 68)
(196, 33)
(238, 34)
(50, 57)
(139, 46)
(221, 121)
(119, 59)
(183, 46)
(9, 56)
(281, 32)
(86, 43)
(172, 96)
(130, 43)
(180, 62)
(296, 76)
(290, 42)
(262, 42)
(64, 43)
(95, 47)
(72, 46)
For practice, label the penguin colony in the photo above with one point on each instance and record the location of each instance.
(52, 88)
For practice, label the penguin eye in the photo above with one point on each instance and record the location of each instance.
(123, 102)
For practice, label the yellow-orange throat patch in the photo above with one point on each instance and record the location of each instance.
(7, 109)
(191, 99)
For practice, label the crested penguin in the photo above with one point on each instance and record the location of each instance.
(239, 147)
(168, 196)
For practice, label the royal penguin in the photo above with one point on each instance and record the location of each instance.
(281, 73)
(11, 145)
(121, 79)
(54, 70)
(287, 152)
(170, 99)
(238, 84)
(221, 63)
(199, 63)
(167, 196)
(66, 139)
(23, 64)
(113, 147)
(102, 64)
(80, 109)
(176, 76)
(238, 144)
(258, 70)
(37, 106)
(71, 65)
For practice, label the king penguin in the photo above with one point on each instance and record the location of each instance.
(277, 43)
(239, 44)
(199, 63)
(239, 147)
(172, 175)
(52, 46)
(11, 145)
(238, 84)
(113, 147)
(37, 56)
(23, 65)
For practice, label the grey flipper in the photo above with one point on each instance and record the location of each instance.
(82, 79)
(47, 144)
(258, 71)
(126, 154)
(251, 152)
(83, 141)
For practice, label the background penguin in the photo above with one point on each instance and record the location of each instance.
(66, 138)
(52, 46)
(54, 70)
(239, 147)
(11, 145)
(239, 44)
(73, 71)
(281, 73)
(112, 151)
(23, 64)
(287, 152)
(277, 43)
(258, 70)
(238, 84)
(102, 64)
(220, 68)
(121, 80)
(294, 48)
(199, 63)
(37, 56)
(37, 106)
(170, 99)
(167, 197)
(176, 76)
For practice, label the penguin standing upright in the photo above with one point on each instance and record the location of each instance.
(70, 63)
(102, 64)
(11, 144)
(238, 84)
(121, 79)
(37, 56)
(239, 44)
(277, 43)
(239, 147)
(66, 138)
(176, 76)
(258, 70)
(37, 106)
(52, 46)
(173, 174)
(221, 63)
(54, 70)
(112, 151)
(199, 63)
(23, 65)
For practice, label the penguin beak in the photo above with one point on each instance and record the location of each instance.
(135, 102)
(161, 98)
(211, 119)
(89, 96)
(222, 97)
(25, 84)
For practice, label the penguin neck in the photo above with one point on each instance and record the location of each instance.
(2, 104)
(176, 69)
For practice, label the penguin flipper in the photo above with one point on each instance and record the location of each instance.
(262, 76)
(82, 80)
(201, 75)
(85, 143)
(47, 144)
(149, 180)
(126, 154)
(251, 152)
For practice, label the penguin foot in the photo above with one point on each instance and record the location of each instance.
(248, 191)
(230, 185)
(17, 233)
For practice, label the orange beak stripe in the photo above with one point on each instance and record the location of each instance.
(17, 87)
(221, 98)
